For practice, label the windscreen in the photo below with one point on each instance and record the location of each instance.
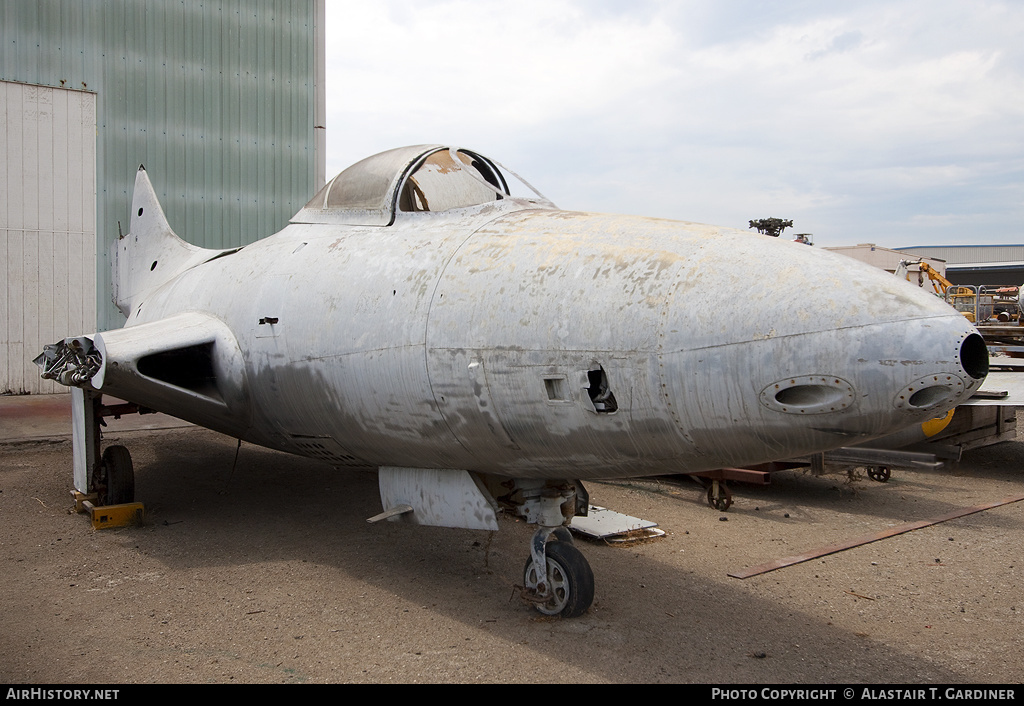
(449, 179)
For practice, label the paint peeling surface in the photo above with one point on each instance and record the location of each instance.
(502, 335)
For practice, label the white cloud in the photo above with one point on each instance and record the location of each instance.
(853, 117)
(423, 69)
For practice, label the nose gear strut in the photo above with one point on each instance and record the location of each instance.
(565, 585)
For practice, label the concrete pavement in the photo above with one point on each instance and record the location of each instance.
(42, 417)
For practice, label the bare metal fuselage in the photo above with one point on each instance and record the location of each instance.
(487, 350)
(477, 339)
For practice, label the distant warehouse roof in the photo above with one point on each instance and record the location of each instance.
(968, 254)
(885, 258)
(976, 264)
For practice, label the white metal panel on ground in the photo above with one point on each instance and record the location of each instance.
(996, 384)
(47, 225)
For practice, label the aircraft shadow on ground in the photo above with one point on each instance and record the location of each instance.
(682, 626)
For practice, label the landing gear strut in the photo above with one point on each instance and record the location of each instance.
(566, 588)
(557, 579)
(109, 476)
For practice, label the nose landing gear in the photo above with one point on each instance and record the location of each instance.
(557, 579)
(566, 588)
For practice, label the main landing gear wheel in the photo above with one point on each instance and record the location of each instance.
(719, 496)
(119, 476)
(879, 473)
(570, 580)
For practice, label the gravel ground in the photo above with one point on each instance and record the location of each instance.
(270, 573)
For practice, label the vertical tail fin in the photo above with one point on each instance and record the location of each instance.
(151, 253)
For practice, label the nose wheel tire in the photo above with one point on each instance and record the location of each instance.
(569, 579)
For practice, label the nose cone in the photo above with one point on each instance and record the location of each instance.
(873, 379)
(820, 352)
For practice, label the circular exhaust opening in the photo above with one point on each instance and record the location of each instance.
(974, 356)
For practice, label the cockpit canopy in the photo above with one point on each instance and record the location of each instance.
(421, 178)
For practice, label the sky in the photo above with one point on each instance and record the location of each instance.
(894, 122)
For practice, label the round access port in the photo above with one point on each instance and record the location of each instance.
(929, 391)
(808, 394)
(928, 396)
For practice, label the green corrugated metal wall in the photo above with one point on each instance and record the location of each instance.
(217, 98)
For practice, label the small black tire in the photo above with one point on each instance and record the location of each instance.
(569, 578)
(117, 463)
(879, 474)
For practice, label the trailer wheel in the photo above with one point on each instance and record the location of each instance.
(880, 474)
(719, 496)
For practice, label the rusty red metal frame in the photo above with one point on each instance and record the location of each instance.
(867, 539)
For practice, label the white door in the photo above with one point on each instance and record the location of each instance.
(47, 226)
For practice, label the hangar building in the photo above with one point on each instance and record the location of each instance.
(222, 101)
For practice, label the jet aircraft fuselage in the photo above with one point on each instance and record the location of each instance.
(483, 338)
(419, 314)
